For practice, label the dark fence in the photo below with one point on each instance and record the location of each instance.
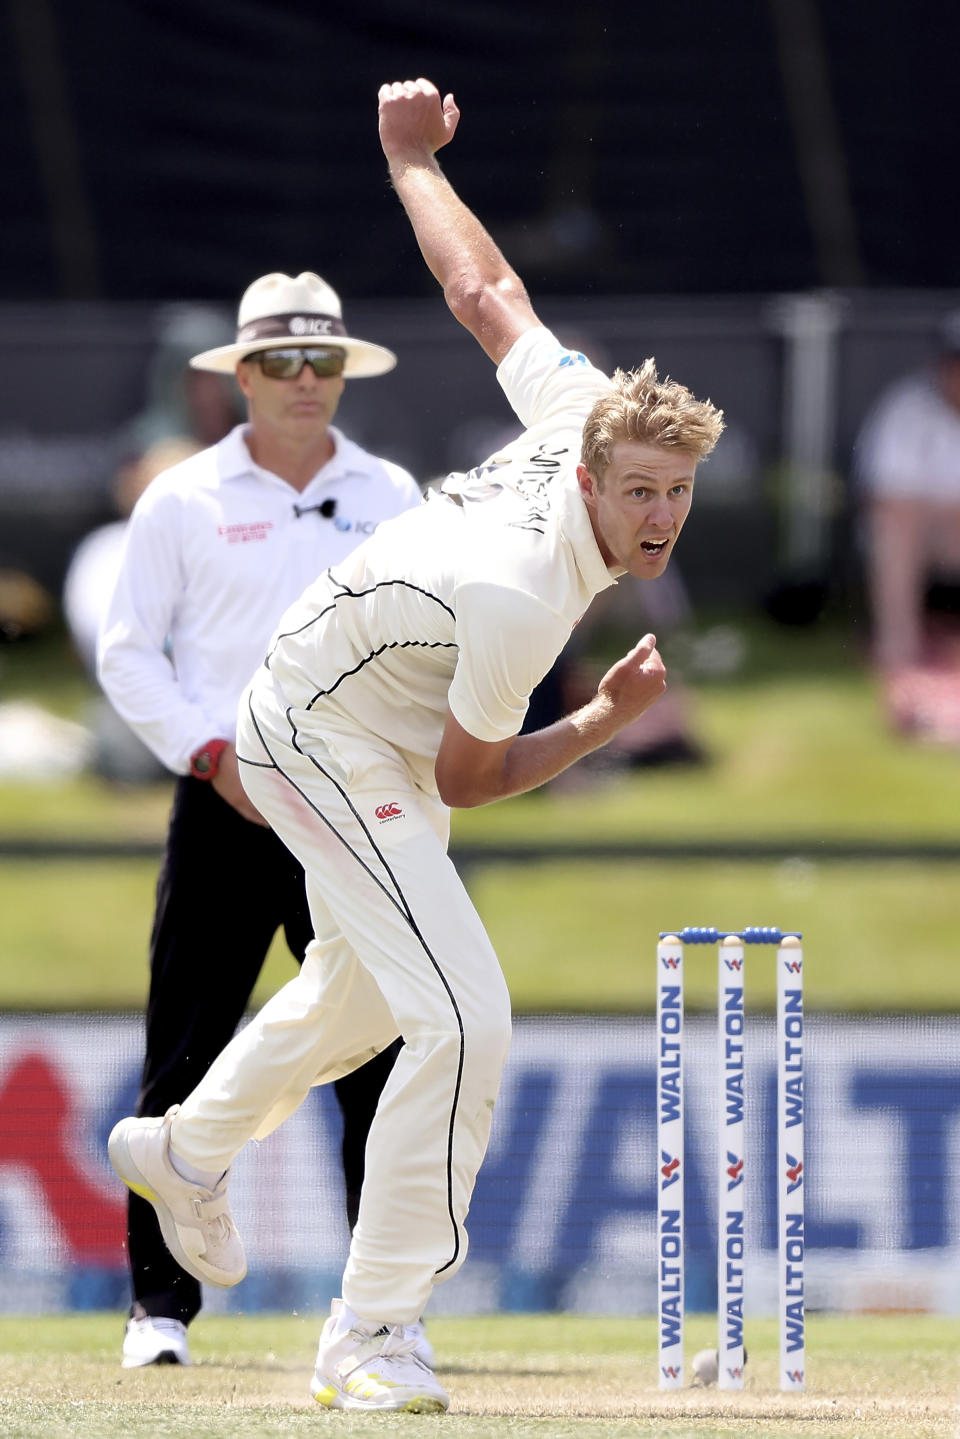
(73, 375)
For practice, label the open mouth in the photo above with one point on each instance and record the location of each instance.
(653, 547)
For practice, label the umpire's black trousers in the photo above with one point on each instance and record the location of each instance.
(225, 888)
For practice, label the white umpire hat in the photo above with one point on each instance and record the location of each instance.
(279, 311)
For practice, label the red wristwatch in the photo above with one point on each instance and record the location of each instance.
(205, 762)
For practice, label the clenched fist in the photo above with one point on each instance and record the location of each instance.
(414, 121)
(634, 682)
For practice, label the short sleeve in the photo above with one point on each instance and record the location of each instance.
(507, 642)
(545, 382)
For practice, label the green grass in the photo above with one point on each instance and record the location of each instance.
(75, 935)
(523, 1376)
(789, 758)
(84, 808)
(570, 936)
(798, 753)
(797, 748)
(582, 937)
(797, 744)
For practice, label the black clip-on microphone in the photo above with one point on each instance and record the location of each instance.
(326, 511)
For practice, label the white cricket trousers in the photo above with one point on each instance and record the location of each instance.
(398, 949)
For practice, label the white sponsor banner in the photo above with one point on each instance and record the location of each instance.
(564, 1215)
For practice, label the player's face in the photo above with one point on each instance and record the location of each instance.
(299, 409)
(638, 506)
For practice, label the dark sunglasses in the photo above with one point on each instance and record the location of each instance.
(288, 364)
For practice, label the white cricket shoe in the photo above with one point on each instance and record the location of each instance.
(153, 1339)
(195, 1222)
(423, 1349)
(362, 1366)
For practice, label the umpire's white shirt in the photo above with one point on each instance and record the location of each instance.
(216, 549)
(469, 600)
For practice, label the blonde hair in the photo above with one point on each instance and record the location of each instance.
(643, 407)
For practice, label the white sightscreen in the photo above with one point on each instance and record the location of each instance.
(564, 1212)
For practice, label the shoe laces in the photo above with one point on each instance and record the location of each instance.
(163, 1325)
(222, 1228)
(391, 1342)
(398, 1344)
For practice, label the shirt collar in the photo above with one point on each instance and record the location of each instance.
(578, 531)
(233, 457)
(235, 461)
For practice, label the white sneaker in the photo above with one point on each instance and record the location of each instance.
(152, 1339)
(366, 1367)
(195, 1222)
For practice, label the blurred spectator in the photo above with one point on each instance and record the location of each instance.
(664, 734)
(908, 469)
(185, 411)
(36, 746)
(95, 563)
(25, 606)
(196, 406)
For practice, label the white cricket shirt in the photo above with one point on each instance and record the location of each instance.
(466, 601)
(215, 551)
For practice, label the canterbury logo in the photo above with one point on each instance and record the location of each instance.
(388, 811)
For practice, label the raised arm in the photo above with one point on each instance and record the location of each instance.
(480, 287)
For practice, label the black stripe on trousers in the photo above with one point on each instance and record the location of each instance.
(401, 904)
